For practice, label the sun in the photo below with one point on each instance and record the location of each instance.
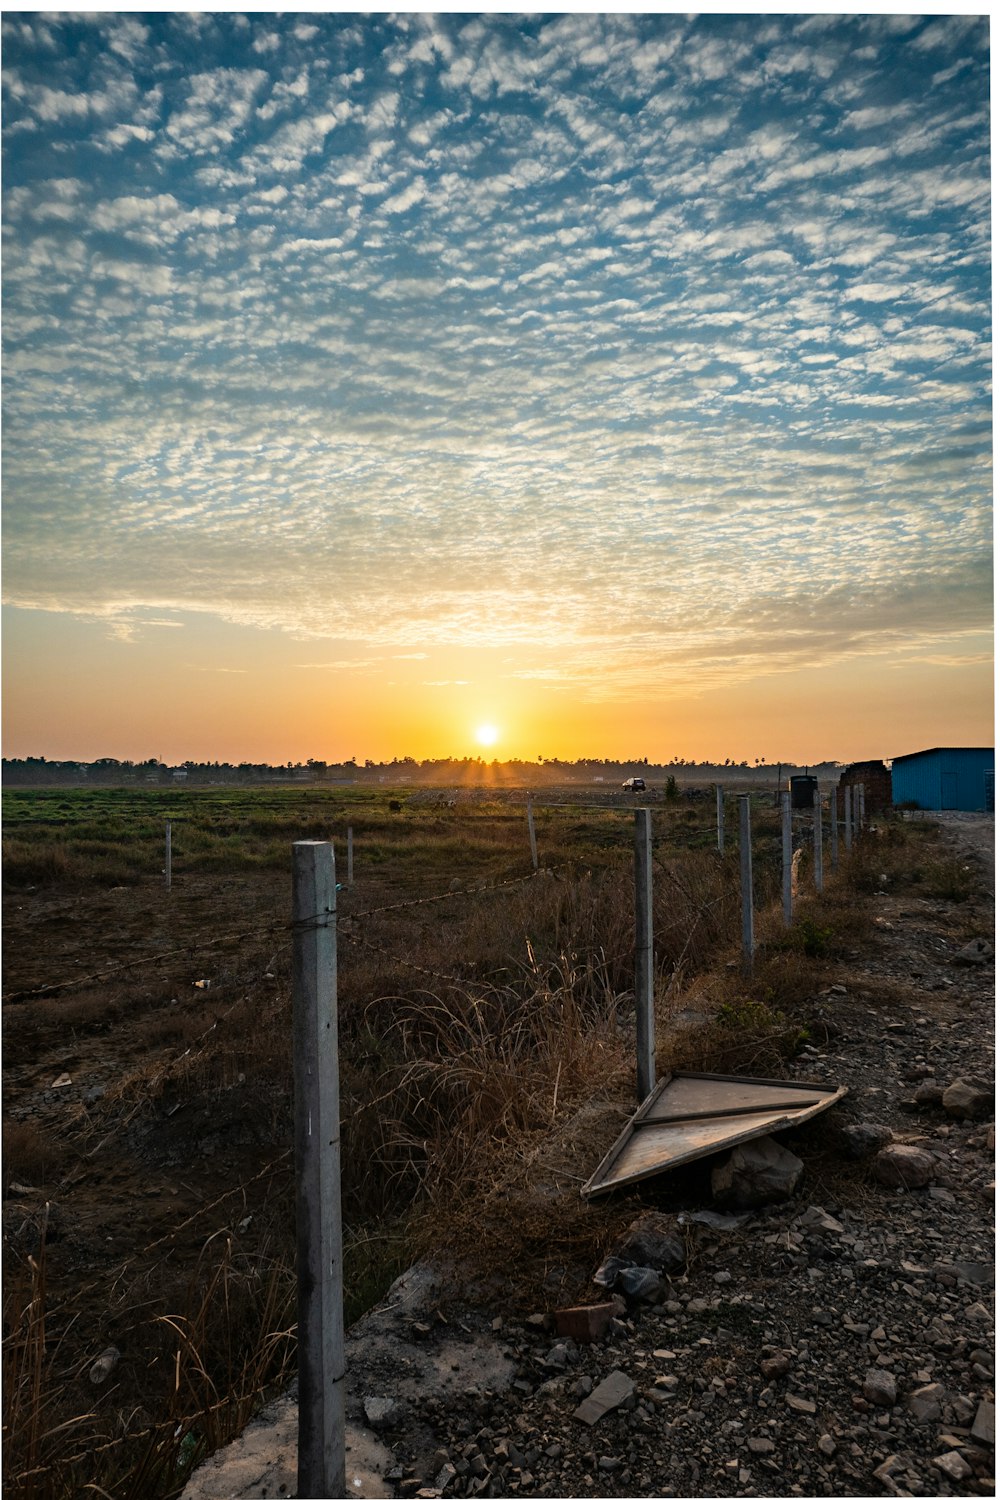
(487, 734)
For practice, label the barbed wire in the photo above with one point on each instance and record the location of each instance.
(289, 927)
(475, 890)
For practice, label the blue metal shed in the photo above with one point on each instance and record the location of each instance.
(945, 778)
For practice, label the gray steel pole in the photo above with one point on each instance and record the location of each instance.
(321, 1451)
(786, 857)
(531, 834)
(817, 840)
(719, 818)
(645, 1031)
(746, 884)
(834, 838)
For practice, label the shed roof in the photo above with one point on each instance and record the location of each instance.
(944, 750)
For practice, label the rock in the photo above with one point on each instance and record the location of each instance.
(863, 1139)
(776, 1366)
(760, 1445)
(446, 1477)
(879, 1388)
(826, 1445)
(952, 1464)
(904, 1166)
(382, 1413)
(978, 1312)
(984, 1427)
(586, 1324)
(979, 1273)
(755, 1173)
(800, 1404)
(926, 1404)
(974, 954)
(928, 1095)
(611, 1393)
(558, 1357)
(968, 1098)
(819, 1221)
(104, 1364)
(650, 1241)
(885, 1471)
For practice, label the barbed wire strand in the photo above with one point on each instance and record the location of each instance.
(285, 926)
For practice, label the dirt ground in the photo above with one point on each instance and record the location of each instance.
(838, 1344)
(135, 1183)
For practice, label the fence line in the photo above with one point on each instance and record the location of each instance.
(270, 930)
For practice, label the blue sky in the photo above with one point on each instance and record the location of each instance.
(548, 361)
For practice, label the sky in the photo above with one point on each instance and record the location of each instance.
(620, 382)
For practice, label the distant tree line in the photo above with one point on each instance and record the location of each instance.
(36, 770)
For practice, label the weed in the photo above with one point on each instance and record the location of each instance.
(815, 940)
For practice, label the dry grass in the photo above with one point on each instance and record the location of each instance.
(225, 1348)
(486, 1051)
(34, 1155)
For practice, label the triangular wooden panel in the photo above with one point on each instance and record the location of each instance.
(695, 1114)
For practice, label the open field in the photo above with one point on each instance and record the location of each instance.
(147, 1079)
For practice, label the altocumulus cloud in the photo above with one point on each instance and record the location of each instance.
(663, 340)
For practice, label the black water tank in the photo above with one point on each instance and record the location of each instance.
(803, 790)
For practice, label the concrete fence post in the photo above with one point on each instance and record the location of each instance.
(848, 818)
(531, 834)
(746, 885)
(645, 1030)
(786, 857)
(857, 809)
(719, 818)
(861, 805)
(168, 858)
(319, 1226)
(834, 840)
(817, 840)
(350, 856)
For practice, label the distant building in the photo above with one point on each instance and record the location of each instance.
(945, 779)
(875, 777)
(180, 775)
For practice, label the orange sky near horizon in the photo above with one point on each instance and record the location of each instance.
(77, 690)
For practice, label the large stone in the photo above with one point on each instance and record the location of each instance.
(904, 1166)
(755, 1173)
(968, 1098)
(928, 1094)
